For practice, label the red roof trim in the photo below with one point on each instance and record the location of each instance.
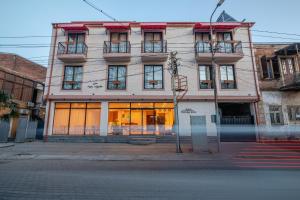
(153, 25)
(73, 27)
(217, 25)
(81, 25)
(117, 25)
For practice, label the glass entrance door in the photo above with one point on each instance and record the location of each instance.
(149, 122)
(136, 122)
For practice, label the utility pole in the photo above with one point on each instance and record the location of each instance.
(213, 48)
(174, 74)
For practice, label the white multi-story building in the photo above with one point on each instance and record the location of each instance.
(111, 78)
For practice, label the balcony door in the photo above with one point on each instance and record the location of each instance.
(225, 42)
(202, 42)
(76, 43)
(153, 42)
(118, 42)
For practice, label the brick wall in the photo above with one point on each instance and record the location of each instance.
(22, 67)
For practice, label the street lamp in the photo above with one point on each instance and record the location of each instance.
(214, 66)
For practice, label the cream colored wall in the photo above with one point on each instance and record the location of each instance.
(206, 109)
(185, 36)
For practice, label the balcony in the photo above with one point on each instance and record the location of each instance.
(227, 51)
(70, 52)
(291, 82)
(117, 52)
(154, 51)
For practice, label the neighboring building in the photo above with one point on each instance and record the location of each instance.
(111, 78)
(279, 74)
(23, 80)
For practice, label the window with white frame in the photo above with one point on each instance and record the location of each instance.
(294, 113)
(276, 114)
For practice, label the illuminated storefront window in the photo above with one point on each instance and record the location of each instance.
(140, 118)
(77, 119)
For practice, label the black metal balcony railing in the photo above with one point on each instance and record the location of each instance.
(154, 46)
(72, 48)
(116, 47)
(222, 47)
(202, 47)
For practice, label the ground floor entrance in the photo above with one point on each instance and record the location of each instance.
(237, 122)
(140, 118)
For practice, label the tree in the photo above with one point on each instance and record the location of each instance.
(7, 106)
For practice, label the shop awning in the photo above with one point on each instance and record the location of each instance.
(116, 25)
(218, 26)
(73, 27)
(153, 25)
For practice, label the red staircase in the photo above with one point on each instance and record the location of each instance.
(270, 155)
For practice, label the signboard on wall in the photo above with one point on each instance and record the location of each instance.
(188, 111)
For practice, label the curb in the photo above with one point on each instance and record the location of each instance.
(108, 158)
(4, 145)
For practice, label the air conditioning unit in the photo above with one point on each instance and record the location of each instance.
(23, 111)
(30, 105)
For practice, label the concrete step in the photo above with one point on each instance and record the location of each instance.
(76, 139)
(143, 140)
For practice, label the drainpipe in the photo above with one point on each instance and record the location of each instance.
(256, 83)
(49, 84)
(253, 65)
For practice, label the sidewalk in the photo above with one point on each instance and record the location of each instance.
(104, 152)
(4, 145)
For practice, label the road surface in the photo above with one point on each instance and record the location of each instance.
(116, 180)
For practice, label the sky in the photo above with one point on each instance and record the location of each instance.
(34, 17)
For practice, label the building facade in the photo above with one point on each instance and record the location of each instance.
(112, 78)
(279, 80)
(23, 80)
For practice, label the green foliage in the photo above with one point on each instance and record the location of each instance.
(6, 102)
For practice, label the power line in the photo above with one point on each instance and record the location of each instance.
(274, 32)
(100, 10)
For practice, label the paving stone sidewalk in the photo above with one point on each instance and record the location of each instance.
(103, 152)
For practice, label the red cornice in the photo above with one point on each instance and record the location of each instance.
(152, 98)
(133, 23)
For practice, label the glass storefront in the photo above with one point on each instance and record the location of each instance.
(140, 118)
(77, 119)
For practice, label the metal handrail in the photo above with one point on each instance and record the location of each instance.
(154, 46)
(222, 47)
(72, 48)
(116, 47)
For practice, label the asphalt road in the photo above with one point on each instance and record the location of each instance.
(63, 179)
